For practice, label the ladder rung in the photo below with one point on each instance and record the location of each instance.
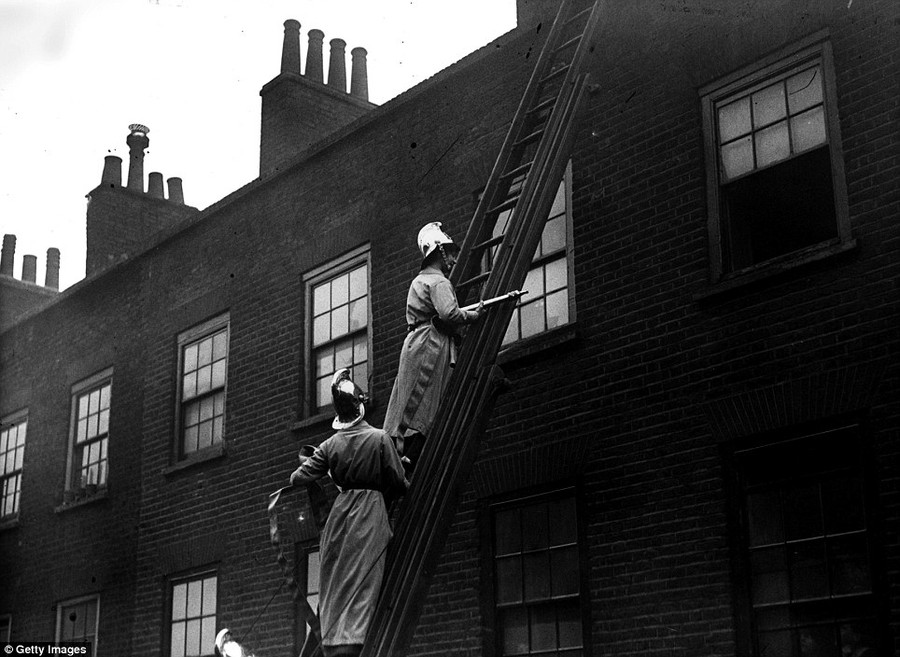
(568, 44)
(544, 104)
(529, 138)
(512, 173)
(555, 73)
(475, 279)
(508, 204)
(575, 17)
(487, 243)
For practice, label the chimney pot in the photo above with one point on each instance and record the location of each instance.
(337, 66)
(176, 192)
(8, 256)
(112, 171)
(290, 50)
(29, 269)
(51, 278)
(314, 56)
(155, 185)
(137, 141)
(359, 77)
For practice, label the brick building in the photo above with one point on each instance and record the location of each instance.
(698, 454)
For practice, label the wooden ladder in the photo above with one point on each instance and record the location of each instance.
(494, 258)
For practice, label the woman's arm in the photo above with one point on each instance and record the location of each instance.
(447, 307)
(312, 468)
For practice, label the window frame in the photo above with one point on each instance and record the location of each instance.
(85, 386)
(171, 582)
(184, 339)
(815, 48)
(14, 418)
(491, 637)
(60, 609)
(739, 540)
(317, 276)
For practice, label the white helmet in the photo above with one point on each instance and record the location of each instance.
(431, 237)
(228, 647)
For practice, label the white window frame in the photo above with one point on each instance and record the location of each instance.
(67, 604)
(98, 380)
(361, 255)
(187, 578)
(815, 48)
(185, 339)
(16, 418)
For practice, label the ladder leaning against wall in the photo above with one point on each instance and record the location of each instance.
(494, 259)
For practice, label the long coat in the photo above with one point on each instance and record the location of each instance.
(364, 464)
(426, 355)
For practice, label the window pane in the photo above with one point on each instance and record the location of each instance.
(103, 425)
(179, 601)
(204, 352)
(557, 309)
(532, 317)
(534, 283)
(808, 576)
(360, 349)
(340, 290)
(324, 361)
(775, 644)
(768, 105)
(206, 409)
(321, 298)
(507, 538)
(556, 274)
(207, 633)
(843, 501)
(192, 638)
(514, 630)
(321, 329)
(217, 430)
(564, 570)
(190, 358)
(82, 431)
(509, 580)
(772, 144)
(537, 576)
(734, 120)
(802, 512)
(220, 341)
(570, 635)
(343, 354)
(312, 572)
(764, 518)
(194, 591)
(543, 628)
(323, 391)
(737, 157)
(189, 386)
(559, 201)
(563, 528)
(210, 589)
(804, 90)
(177, 644)
(849, 565)
(190, 439)
(204, 379)
(808, 129)
(512, 332)
(219, 408)
(218, 374)
(554, 236)
(769, 573)
(94, 403)
(104, 396)
(340, 321)
(358, 314)
(82, 406)
(92, 426)
(360, 374)
(204, 435)
(358, 283)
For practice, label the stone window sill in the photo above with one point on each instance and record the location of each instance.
(197, 458)
(83, 500)
(536, 344)
(776, 267)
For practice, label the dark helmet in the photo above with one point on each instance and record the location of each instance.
(348, 399)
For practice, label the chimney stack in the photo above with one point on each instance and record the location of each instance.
(29, 269)
(314, 56)
(176, 193)
(155, 185)
(137, 141)
(359, 78)
(290, 50)
(337, 66)
(9, 255)
(112, 171)
(51, 279)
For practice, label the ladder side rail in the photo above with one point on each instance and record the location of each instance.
(493, 189)
(457, 451)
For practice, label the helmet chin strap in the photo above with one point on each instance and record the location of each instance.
(447, 266)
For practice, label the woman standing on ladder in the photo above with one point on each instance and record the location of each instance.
(433, 317)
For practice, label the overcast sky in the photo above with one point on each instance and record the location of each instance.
(75, 73)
